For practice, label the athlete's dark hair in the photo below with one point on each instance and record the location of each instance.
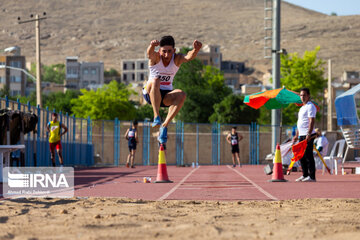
(167, 41)
(135, 122)
(234, 127)
(54, 114)
(305, 90)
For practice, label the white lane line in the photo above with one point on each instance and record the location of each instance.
(254, 184)
(178, 185)
(213, 188)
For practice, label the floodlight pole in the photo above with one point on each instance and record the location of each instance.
(38, 60)
(329, 100)
(275, 113)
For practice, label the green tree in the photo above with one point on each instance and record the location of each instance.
(296, 73)
(233, 110)
(265, 116)
(108, 102)
(53, 73)
(31, 98)
(61, 101)
(308, 71)
(204, 86)
(146, 111)
(111, 73)
(5, 91)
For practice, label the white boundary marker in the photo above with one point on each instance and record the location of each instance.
(254, 184)
(163, 197)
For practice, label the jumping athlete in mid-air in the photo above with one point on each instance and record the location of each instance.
(158, 90)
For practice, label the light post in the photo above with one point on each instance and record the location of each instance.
(38, 60)
(19, 69)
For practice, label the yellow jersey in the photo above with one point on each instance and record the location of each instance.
(54, 132)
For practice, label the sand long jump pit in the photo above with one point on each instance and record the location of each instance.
(117, 218)
(209, 202)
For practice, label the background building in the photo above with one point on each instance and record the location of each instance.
(351, 77)
(83, 74)
(14, 79)
(232, 71)
(210, 55)
(134, 70)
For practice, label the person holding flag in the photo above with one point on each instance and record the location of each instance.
(305, 131)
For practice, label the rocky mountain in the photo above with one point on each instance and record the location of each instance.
(111, 30)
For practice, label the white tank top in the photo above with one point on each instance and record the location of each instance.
(166, 74)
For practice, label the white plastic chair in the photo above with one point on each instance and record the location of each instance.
(335, 156)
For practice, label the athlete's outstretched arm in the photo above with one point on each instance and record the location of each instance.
(151, 54)
(192, 54)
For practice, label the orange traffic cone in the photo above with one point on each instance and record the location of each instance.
(277, 175)
(162, 176)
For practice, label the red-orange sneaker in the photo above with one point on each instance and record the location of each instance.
(127, 165)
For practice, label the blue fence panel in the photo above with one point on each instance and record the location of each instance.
(78, 149)
(146, 143)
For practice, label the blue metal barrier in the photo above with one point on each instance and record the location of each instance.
(179, 141)
(80, 151)
(146, 143)
(37, 151)
(216, 146)
(254, 143)
(116, 141)
(197, 144)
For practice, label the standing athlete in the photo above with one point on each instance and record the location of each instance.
(54, 128)
(132, 137)
(158, 91)
(233, 138)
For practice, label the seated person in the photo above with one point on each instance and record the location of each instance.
(321, 143)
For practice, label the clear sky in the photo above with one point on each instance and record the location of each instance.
(340, 7)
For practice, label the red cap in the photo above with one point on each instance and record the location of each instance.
(161, 147)
(277, 147)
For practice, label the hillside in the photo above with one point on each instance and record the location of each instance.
(111, 30)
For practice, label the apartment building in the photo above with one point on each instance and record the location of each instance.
(351, 77)
(232, 71)
(134, 70)
(11, 74)
(83, 74)
(210, 55)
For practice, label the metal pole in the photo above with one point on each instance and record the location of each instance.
(257, 144)
(38, 62)
(275, 113)
(329, 100)
(197, 144)
(37, 163)
(250, 143)
(182, 143)
(116, 159)
(148, 143)
(219, 143)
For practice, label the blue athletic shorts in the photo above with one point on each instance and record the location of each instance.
(132, 146)
(162, 92)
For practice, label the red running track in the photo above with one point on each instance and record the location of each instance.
(210, 183)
